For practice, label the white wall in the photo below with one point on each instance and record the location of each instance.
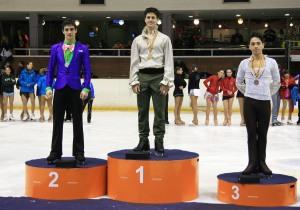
(140, 5)
(115, 94)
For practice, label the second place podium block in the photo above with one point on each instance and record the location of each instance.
(173, 178)
(45, 181)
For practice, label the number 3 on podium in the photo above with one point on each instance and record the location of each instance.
(235, 192)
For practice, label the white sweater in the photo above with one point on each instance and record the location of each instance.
(269, 82)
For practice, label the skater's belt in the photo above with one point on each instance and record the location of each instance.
(152, 70)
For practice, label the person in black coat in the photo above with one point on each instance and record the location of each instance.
(180, 84)
(8, 83)
(194, 92)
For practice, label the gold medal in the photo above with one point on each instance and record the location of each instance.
(256, 82)
(150, 44)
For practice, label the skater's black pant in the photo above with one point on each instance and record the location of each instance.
(166, 109)
(257, 119)
(68, 112)
(63, 98)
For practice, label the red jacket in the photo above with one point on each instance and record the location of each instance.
(286, 85)
(228, 84)
(214, 84)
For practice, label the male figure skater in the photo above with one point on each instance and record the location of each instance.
(261, 75)
(69, 58)
(151, 75)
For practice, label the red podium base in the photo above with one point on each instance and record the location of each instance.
(45, 181)
(278, 190)
(173, 178)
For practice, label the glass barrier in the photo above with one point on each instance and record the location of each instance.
(201, 52)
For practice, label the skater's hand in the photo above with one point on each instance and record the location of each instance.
(48, 94)
(83, 95)
(164, 89)
(136, 88)
(181, 87)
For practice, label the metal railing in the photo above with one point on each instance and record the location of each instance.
(195, 52)
(293, 52)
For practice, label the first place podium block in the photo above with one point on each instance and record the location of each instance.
(278, 190)
(171, 179)
(45, 181)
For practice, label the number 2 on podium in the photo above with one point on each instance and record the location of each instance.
(140, 170)
(54, 179)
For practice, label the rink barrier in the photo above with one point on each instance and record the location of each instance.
(278, 190)
(171, 179)
(45, 181)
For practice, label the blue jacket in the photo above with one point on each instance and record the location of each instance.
(41, 85)
(27, 81)
(92, 90)
(295, 95)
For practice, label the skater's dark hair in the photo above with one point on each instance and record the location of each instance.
(68, 22)
(257, 35)
(152, 10)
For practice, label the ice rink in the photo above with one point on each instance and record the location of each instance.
(221, 149)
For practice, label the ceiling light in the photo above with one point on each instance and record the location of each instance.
(159, 22)
(291, 24)
(63, 17)
(287, 14)
(77, 22)
(121, 22)
(237, 15)
(220, 26)
(266, 25)
(196, 21)
(173, 26)
(191, 16)
(107, 17)
(27, 17)
(240, 21)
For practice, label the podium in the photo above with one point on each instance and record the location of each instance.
(277, 190)
(171, 179)
(45, 181)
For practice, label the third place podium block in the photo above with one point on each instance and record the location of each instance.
(173, 178)
(277, 190)
(49, 182)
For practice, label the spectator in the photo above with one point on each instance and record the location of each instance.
(194, 92)
(237, 38)
(89, 101)
(180, 84)
(287, 83)
(212, 84)
(1, 96)
(229, 88)
(27, 82)
(41, 93)
(8, 83)
(6, 51)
